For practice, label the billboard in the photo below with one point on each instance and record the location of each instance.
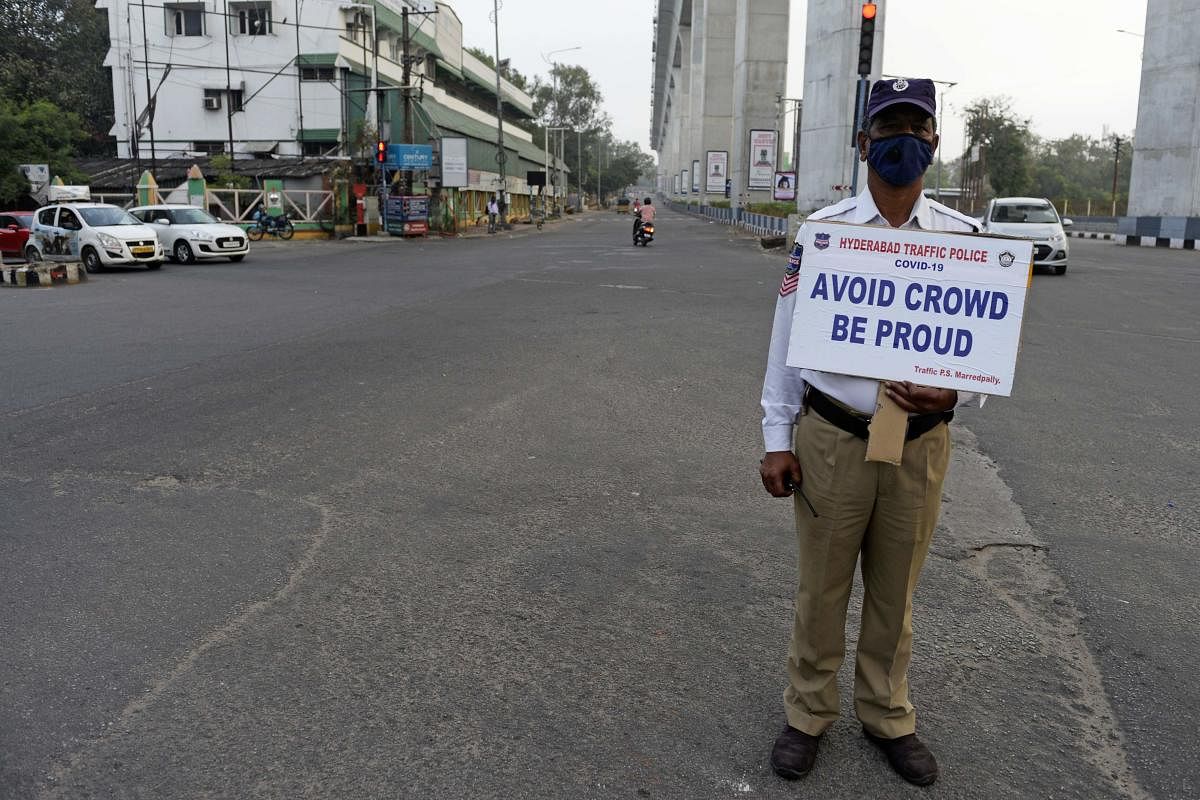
(454, 161)
(716, 171)
(762, 159)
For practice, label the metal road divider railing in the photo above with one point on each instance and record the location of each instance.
(759, 224)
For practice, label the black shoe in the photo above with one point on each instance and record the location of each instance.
(911, 759)
(794, 753)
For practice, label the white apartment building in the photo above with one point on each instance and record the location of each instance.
(292, 77)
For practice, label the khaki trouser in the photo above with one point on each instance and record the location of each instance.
(887, 515)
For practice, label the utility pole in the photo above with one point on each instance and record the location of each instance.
(407, 79)
(579, 161)
(299, 85)
(501, 156)
(1116, 163)
(228, 88)
(149, 97)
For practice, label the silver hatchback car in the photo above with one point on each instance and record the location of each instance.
(1032, 218)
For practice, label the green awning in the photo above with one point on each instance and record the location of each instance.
(451, 121)
(319, 135)
(442, 64)
(317, 59)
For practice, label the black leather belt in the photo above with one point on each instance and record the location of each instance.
(856, 424)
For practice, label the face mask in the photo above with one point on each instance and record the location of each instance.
(900, 159)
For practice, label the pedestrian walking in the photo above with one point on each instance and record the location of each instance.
(493, 209)
(847, 508)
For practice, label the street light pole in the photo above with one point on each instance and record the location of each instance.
(554, 108)
(941, 116)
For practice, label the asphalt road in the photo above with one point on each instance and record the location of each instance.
(480, 518)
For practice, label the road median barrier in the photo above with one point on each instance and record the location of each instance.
(42, 274)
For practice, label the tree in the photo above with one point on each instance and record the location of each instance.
(506, 71)
(1079, 169)
(569, 97)
(1005, 144)
(56, 48)
(36, 133)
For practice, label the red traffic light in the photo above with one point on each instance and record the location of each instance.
(868, 11)
(381, 152)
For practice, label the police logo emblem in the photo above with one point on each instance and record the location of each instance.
(821, 241)
(794, 259)
(1007, 259)
(900, 85)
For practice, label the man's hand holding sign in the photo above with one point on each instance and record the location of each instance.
(891, 314)
(929, 312)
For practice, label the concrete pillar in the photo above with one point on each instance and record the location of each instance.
(1164, 190)
(759, 79)
(830, 66)
(716, 103)
(682, 102)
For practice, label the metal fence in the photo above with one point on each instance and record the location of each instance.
(237, 205)
(760, 224)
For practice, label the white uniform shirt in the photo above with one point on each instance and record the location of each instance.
(783, 387)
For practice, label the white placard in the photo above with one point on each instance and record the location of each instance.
(717, 171)
(762, 159)
(454, 161)
(939, 309)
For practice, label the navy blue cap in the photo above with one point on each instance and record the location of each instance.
(919, 92)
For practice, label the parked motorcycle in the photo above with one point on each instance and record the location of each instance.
(643, 234)
(264, 223)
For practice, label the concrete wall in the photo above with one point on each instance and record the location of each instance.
(1165, 180)
(830, 62)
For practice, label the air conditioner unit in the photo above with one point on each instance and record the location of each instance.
(212, 103)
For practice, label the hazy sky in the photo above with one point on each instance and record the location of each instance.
(1062, 62)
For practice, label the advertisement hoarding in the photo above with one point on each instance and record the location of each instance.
(762, 159)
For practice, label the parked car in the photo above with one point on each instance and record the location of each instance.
(1032, 218)
(188, 233)
(98, 234)
(14, 232)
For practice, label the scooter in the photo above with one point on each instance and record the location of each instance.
(643, 234)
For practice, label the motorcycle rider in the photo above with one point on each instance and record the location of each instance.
(645, 215)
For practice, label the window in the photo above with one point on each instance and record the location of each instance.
(318, 148)
(251, 19)
(235, 100)
(46, 216)
(316, 73)
(68, 221)
(212, 148)
(185, 20)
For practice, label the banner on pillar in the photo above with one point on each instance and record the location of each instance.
(683, 180)
(785, 186)
(763, 144)
(716, 171)
(696, 175)
(674, 184)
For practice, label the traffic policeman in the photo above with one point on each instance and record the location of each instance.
(847, 508)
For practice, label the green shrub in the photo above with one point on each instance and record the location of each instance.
(777, 208)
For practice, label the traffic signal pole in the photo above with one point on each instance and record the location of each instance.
(866, 54)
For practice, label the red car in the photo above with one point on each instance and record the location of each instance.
(14, 232)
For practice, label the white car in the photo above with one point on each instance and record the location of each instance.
(98, 234)
(188, 233)
(1032, 218)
